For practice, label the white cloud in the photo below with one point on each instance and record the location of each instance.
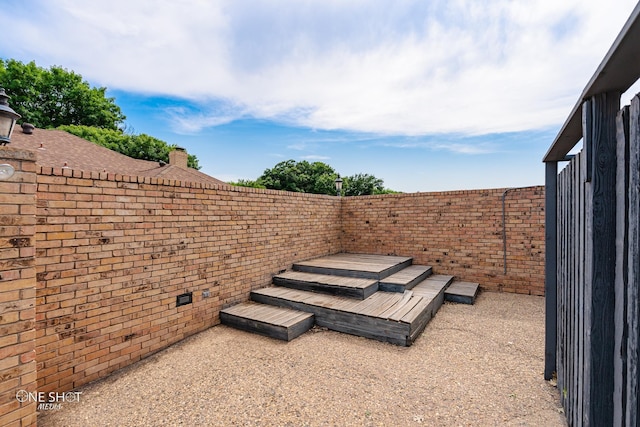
(406, 67)
(315, 157)
(477, 147)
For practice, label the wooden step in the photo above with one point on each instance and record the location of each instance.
(462, 292)
(392, 317)
(405, 279)
(355, 265)
(351, 287)
(275, 322)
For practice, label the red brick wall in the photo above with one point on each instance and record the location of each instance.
(113, 252)
(458, 233)
(17, 288)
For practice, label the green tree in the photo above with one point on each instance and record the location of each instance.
(362, 184)
(247, 183)
(55, 97)
(316, 177)
(141, 146)
(301, 177)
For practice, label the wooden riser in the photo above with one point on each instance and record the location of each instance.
(331, 285)
(267, 320)
(355, 265)
(405, 279)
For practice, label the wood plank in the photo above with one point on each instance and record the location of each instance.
(406, 296)
(602, 135)
(632, 308)
(410, 305)
(383, 306)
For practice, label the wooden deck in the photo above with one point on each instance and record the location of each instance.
(355, 265)
(380, 297)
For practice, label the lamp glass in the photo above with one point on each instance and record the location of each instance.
(6, 171)
(6, 127)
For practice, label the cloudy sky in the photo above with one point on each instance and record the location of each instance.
(428, 95)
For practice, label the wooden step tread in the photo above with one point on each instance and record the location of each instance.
(350, 282)
(333, 285)
(462, 292)
(272, 321)
(354, 265)
(405, 279)
(268, 313)
(406, 275)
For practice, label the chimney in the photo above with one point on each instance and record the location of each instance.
(27, 128)
(178, 157)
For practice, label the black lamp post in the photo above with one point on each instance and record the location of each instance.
(8, 119)
(338, 182)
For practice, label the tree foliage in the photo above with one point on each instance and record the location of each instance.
(247, 183)
(55, 97)
(317, 178)
(362, 184)
(301, 177)
(141, 146)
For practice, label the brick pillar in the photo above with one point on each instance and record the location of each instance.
(17, 289)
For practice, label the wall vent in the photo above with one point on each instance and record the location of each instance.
(184, 299)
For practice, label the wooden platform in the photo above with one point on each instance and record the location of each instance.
(462, 292)
(381, 297)
(355, 265)
(333, 285)
(268, 320)
(405, 279)
(393, 317)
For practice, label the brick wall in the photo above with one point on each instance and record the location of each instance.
(17, 289)
(114, 252)
(458, 233)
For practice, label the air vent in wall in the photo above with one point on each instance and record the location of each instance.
(184, 299)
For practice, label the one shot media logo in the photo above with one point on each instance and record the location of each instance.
(48, 401)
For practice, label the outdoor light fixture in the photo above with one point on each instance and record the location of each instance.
(338, 182)
(6, 171)
(8, 119)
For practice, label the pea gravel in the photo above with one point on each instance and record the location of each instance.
(479, 365)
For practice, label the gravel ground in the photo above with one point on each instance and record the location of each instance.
(479, 365)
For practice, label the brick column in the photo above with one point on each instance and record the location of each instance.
(17, 289)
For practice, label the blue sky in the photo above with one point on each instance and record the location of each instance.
(427, 95)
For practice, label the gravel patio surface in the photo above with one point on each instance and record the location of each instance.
(479, 365)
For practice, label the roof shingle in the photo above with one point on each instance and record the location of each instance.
(57, 148)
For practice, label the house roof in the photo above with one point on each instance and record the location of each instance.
(57, 148)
